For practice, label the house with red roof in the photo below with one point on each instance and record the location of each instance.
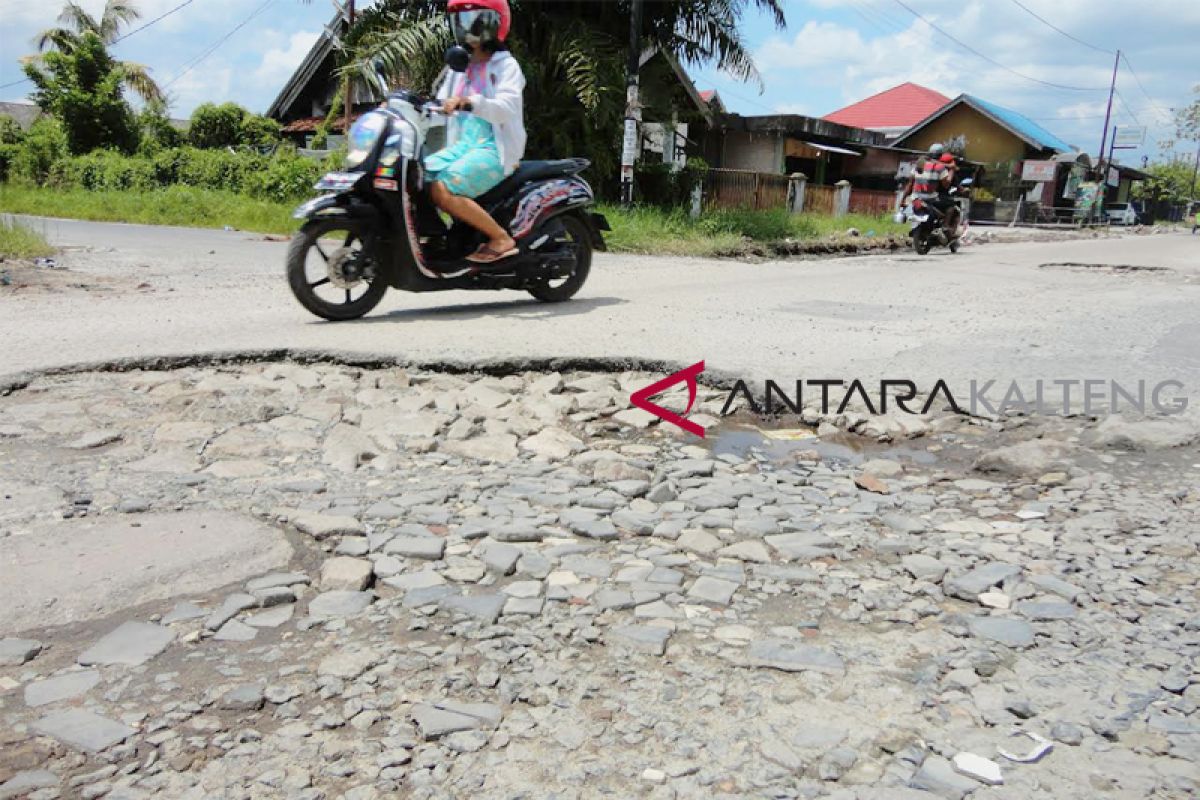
(891, 112)
(714, 101)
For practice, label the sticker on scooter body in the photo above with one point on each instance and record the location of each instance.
(534, 205)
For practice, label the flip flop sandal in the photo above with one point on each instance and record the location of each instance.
(486, 255)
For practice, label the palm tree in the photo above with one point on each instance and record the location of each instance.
(76, 25)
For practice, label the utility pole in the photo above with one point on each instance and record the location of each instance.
(633, 109)
(348, 103)
(1112, 88)
(1195, 172)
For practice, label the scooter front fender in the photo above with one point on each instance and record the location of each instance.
(345, 206)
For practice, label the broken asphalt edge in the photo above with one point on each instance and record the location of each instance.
(714, 379)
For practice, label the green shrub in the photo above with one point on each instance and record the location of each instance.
(10, 131)
(661, 185)
(229, 125)
(286, 178)
(155, 130)
(214, 126)
(259, 131)
(44, 144)
(8, 153)
(105, 170)
(218, 169)
(283, 176)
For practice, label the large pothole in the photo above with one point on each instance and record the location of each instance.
(80, 569)
(509, 585)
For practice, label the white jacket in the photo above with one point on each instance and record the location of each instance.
(502, 105)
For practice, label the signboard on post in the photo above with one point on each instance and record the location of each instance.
(629, 145)
(1039, 171)
(1129, 136)
(1114, 177)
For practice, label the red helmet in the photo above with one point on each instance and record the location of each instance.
(947, 158)
(479, 20)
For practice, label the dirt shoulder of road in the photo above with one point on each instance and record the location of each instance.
(853, 242)
(43, 276)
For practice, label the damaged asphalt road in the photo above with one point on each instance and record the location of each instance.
(287, 577)
(454, 586)
(991, 312)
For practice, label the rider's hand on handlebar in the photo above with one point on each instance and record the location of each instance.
(452, 104)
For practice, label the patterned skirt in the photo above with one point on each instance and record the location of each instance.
(471, 166)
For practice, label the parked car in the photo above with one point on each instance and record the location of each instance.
(1122, 214)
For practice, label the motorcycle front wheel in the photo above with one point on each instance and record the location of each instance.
(920, 244)
(330, 272)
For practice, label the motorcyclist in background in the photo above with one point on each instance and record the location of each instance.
(930, 183)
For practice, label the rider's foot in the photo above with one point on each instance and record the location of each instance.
(494, 250)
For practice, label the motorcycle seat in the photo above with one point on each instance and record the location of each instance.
(528, 171)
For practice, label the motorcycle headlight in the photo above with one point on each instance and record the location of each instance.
(363, 136)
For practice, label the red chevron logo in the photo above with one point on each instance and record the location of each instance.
(641, 398)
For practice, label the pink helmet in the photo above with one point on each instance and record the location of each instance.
(479, 21)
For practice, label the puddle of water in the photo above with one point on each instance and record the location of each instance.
(746, 442)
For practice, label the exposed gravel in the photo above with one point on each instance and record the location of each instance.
(509, 587)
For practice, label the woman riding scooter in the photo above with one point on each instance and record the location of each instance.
(485, 133)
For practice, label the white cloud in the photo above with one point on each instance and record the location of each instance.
(803, 109)
(211, 84)
(817, 44)
(278, 63)
(860, 47)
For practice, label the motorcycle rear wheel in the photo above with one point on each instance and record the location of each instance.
(357, 297)
(577, 236)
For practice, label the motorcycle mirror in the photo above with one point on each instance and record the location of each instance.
(380, 73)
(457, 58)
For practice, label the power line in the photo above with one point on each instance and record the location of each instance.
(191, 65)
(887, 18)
(1048, 24)
(746, 100)
(119, 39)
(882, 26)
(990, 60)
(1125, 106)
(1138, 80)
(1072, 117)
(157, 19)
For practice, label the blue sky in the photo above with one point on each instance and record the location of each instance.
(833, 52)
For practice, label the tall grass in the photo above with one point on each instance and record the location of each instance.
(176, 205)
(18, 240)
(637, 230)
(725, 232)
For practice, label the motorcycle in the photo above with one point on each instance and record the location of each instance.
(928, 227)
(375, 225)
